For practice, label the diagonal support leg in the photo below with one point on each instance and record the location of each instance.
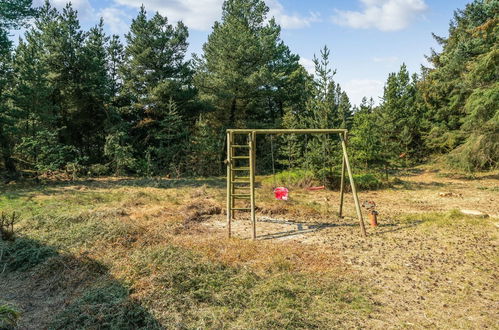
(352, 184)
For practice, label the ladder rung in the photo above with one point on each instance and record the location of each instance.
(240, 146)
(241, 196)
(240, 209)
(241, 169)
(242, 178)
(240, 157)
(245, 182)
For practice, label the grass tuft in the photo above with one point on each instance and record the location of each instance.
(23, 254)
(9, 315)
(106, 306)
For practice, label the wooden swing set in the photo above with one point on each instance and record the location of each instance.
(243, 187)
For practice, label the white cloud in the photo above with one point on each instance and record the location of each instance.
(308, 65)
(384, 15)
(358, 88)
(115, 19)
(201, 14)
(84, 8)
(293, 21)
(196, 14)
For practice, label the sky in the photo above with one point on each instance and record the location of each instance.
(368, 39)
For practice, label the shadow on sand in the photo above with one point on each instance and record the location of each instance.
(57, 290)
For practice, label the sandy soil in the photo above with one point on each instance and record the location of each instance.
(427, 272)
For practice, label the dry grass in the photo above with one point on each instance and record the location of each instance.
(108, 249)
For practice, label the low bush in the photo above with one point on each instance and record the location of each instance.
(367, 182)
(303, 178)
(98, 170)
(296, 178)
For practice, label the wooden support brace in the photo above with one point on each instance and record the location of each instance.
(229, 185)
(352, 184)
(252, 144)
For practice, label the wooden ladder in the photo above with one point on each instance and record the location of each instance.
(240, 178)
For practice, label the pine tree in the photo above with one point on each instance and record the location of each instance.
(120, 152)
(205, 148)
(115, 55)
(345, 114)
(7, 120)
(32, 101)
(166, 140)
(13, 14)
(328, 107)
(460, 91)
(400, 119)
(156, 83)
(365, 143)
(236, 59)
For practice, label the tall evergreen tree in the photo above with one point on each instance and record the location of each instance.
(365, 142)
(399, 118)
(94, 94)
(13, 14)
(328, 107)
(115, 55)
(235, 61)
(156, 80)
(460, 91)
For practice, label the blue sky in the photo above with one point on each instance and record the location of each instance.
(368, 38)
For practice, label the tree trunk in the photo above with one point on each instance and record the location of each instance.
(6, 156)
(232, 116)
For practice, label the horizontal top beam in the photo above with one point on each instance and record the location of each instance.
(288, 131)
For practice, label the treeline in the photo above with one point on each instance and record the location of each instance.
(92, 104)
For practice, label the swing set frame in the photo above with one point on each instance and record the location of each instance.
(235, 182)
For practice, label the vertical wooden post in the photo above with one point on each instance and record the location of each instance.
(342, 185)
(352, 184)
(252, 153)
(229, 184)
(232, 186)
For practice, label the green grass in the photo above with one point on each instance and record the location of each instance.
(494, 189)
(46, 201)
(204, 294)
(79, 230)
(106, 305)
(452, 220)
(176, 287)
(9, 315)
(23, 254)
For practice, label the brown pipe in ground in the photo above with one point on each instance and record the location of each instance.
(373, 218)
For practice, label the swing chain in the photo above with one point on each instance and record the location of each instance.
(272, 154)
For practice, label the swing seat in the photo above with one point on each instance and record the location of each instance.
(281, 193)
(316, 188)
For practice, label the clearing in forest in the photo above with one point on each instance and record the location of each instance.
(153, 253)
